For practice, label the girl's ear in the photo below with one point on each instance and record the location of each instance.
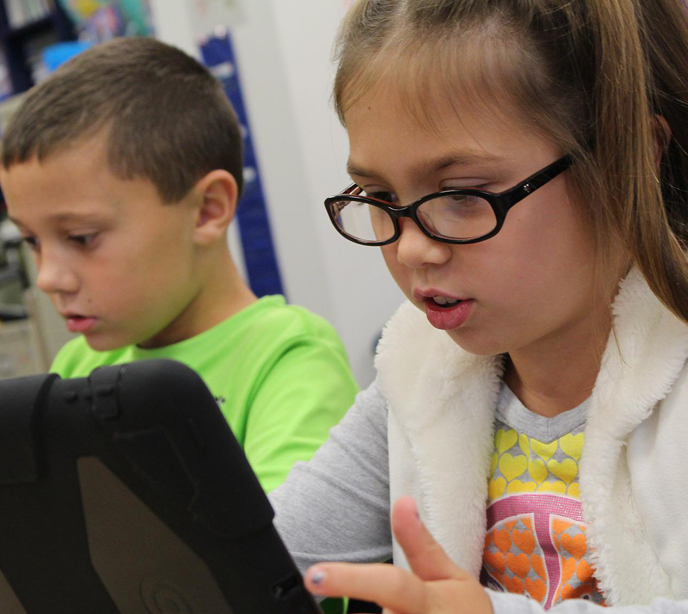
(217, 195)
(662, 138)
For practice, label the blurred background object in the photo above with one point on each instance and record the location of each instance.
(103, 19)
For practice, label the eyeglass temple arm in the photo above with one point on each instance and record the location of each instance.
(538, 180)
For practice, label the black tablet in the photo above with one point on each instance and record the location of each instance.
(127, 493)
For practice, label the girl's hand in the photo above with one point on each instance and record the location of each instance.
(434, 586)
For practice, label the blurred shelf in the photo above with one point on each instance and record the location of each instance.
(28, 29)
(21, 45)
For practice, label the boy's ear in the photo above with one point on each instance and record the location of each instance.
(662, 137)
(217, 195)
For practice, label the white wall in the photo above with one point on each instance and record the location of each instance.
(284, 52)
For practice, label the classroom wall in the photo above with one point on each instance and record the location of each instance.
(284, 51)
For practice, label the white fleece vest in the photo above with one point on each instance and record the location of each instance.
(634, 468)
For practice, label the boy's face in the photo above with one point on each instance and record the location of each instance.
(118, 264)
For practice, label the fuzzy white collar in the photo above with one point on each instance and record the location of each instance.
(445, 398)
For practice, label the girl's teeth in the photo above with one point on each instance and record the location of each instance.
(442, 300)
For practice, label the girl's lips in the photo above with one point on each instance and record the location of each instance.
(448, 318)
(80, 324)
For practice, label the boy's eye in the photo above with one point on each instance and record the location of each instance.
(83, 240)
(32, 242)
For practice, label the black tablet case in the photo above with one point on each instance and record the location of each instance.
(127, 493)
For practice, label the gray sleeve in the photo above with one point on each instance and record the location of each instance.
(335, 507)
(508, 603)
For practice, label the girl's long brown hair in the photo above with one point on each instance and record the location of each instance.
(594, 75)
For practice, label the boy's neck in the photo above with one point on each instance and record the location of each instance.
(224, 293)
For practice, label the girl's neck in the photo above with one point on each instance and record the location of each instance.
(555, 376)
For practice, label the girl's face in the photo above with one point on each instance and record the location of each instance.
(530, 283)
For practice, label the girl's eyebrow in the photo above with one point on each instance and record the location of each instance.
(435, 165)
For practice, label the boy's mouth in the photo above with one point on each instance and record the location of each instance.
(79, 323)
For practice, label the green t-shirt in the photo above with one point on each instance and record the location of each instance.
(279, 373)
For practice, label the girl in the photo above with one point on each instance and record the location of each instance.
(523, 165)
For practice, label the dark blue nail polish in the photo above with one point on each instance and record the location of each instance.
(317, 578)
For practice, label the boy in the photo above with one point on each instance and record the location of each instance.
(122, 172)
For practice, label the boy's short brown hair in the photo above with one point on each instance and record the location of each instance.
(167, 118)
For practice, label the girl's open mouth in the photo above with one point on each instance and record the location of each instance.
(448, 314)
(444, 302)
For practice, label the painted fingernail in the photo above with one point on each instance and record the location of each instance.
(318, 577)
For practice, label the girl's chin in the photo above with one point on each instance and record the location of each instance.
(473, 341)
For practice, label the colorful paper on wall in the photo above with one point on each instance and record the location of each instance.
(104, 19)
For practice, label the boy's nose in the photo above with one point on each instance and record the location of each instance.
(416, 250)
(54, 277)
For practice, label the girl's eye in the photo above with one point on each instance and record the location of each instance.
(465, 199)
(83, 240)
(465, 187)
(388, 197)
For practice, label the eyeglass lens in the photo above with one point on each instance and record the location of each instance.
(457, 216)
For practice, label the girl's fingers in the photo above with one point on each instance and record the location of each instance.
(434, 585)
(396, 589)
(425, 556)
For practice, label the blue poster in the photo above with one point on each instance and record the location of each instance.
(252, 215)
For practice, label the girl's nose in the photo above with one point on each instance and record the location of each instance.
(416, 250)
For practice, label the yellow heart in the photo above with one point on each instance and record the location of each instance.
(524, 444)
(518, 487)
(555, 487)
(512, 466)
(538, 470)
(574, 491)
(572, 445)
(543, 450)
(505, 440)
(566, 470)
(493, 464)
(495, 488)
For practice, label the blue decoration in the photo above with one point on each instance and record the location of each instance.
(252, 215)
(57, 54)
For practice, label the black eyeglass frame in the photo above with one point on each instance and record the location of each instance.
(501, 203)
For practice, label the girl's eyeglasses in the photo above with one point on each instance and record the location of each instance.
(451, 216)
